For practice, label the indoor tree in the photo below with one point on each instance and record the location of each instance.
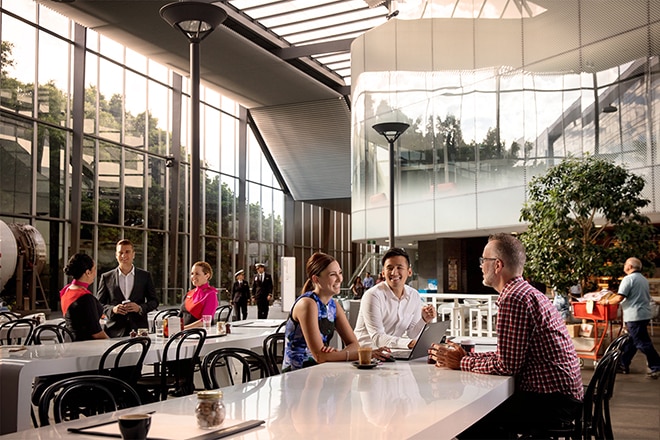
(584, 220)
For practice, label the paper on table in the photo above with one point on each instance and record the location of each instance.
(164, 426)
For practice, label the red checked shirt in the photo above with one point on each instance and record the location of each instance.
(532, 344)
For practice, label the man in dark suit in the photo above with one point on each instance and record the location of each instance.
(127, 294)
(262, 290)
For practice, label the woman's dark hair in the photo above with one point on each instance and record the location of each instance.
(315, 265)
(78, 264)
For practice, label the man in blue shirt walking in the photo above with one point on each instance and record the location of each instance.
(637, 314)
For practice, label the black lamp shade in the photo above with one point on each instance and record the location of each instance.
(391, 130)
(195, 19)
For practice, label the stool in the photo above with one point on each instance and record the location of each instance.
(477, 315)
(459, 314)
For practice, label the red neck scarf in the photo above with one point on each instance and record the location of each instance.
(68, 296)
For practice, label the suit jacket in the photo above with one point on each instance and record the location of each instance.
(261, 289)
(240, 292)
(143, 294)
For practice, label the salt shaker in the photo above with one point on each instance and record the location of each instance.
(210, 409)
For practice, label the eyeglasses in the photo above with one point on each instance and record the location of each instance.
(484, 259)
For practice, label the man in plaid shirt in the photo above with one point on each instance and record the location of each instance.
(533, 345)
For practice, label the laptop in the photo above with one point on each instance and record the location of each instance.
(432, 333)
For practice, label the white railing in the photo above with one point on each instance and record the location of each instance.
(459, 312)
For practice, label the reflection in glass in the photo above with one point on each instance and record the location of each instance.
(108, 169)
(16, 167)
(134, 199)
(156, 199)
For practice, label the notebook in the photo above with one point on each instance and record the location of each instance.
(432, 333)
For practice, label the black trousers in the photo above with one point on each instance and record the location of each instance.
(262, 309)
(240, 308)
(525, 413)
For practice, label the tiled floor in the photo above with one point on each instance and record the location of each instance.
(635, 405)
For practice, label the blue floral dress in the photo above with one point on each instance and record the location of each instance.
(296, 352)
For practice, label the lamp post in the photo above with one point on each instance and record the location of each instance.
(196, 20)
(391, 131)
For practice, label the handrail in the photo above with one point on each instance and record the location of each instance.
(489, 298)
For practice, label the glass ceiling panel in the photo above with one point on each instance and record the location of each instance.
(300, 22)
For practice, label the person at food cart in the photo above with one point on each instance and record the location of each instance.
(533, 346)
(635, 300)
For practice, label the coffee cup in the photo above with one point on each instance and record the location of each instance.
(222, 328)
(468, 345)
(134, 426)
(364, 355)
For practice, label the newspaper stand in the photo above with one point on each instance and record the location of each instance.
(602, 316)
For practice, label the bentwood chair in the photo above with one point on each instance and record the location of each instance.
(222, 313)
(18, 331)
(234, 363)
(121, 367)
(280, 328)
(52, 333)
(594, 421)
(618, 342)
(162, 314)
(88, 395)
(8, 316)
(177, 369)
(273, 349)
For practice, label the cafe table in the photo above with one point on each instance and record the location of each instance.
(393, 400)
(20, 365)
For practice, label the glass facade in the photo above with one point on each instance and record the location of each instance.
(484, 121)
(134, 174)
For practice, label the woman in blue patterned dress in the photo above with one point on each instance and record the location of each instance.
(315, 316)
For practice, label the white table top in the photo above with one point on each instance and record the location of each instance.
(19, 368)
(335, 400)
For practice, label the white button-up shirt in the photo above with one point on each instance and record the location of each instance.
(387, 321)
(126, 282)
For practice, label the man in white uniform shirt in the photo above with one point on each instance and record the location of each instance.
(392, 314)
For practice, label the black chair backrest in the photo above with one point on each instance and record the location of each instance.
(162, 314)
(597, 394)
(85, 396)
(8, 316)
(618, 342)
(129, 371)
(222, 313)
(233, 360)
(273, 349)
(280, 328)
(178, 366)
(18, 331)
(56, 332)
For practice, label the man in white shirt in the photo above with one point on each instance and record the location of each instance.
(392, 314)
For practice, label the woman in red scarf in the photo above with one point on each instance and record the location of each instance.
(202, 300)
(81, 309)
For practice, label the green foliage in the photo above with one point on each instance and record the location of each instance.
(563, 243)
(5, 57)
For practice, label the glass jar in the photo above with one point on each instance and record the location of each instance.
(210, 409)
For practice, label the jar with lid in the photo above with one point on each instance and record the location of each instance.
(210, 409)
